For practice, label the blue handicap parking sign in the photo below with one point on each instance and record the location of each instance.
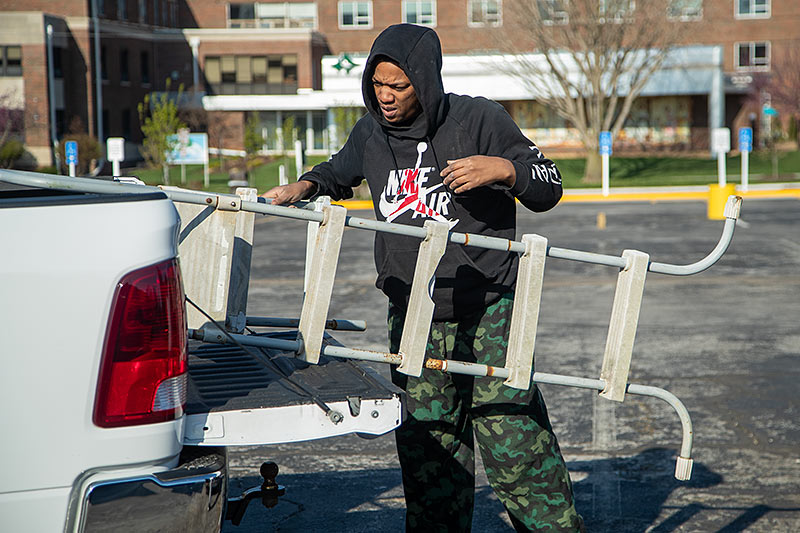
(71, 152)
(605, 143)
(745, 139)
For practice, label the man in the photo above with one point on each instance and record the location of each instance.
(460, 160)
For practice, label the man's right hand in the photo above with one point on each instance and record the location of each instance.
(289, 194)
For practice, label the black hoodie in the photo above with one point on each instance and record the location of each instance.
(401, 164)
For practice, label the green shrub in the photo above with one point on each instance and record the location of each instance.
(10, 152)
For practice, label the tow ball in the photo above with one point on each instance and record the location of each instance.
(269, 492)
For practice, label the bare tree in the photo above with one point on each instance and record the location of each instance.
(590, 59)
(782, 84)
(11, 115)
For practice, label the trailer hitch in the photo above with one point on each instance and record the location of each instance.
(268, 492)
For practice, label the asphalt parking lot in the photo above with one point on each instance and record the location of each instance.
(726, 342)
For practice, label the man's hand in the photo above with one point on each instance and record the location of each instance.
(462, 175)
(289, 194)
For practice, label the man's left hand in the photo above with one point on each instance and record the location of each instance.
(467, 173)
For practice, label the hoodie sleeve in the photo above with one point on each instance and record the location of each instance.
(337, 176)
(538, 183)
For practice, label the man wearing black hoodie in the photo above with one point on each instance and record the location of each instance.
(463, 161)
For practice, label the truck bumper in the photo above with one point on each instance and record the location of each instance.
(188, 498)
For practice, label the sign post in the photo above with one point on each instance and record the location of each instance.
(605, 152)
(298, 157)
(721, 145)
(115, 148)
(745, 147)
(71, 155)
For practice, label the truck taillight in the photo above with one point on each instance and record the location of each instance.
(143, 369)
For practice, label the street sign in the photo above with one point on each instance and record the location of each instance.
(721, 140)
(745, 139)
(115, 149)
(71, 152)
(605, 143)
(193, 152)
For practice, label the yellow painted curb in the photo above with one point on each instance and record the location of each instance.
(656, 196)
(355, 204)
(644, 196)
(634, 196)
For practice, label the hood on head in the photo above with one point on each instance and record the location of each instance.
(417, 50)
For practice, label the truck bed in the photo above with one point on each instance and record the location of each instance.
(268, 388)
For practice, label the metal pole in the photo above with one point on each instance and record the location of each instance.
(745, 170)
(98, 82)
(51, 82)
(604, 158)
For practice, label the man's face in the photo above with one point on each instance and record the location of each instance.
(396, 96)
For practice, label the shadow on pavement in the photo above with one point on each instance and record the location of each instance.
(627, 494)
(621, 494)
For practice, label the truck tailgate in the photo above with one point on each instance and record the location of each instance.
(264, 396)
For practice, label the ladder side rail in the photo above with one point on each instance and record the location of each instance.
(525, 313)
(419, 315)
(317, 297)
(623, 325)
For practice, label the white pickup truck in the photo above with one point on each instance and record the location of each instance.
(111, 420)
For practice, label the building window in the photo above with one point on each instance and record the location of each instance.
(103, 64)
(553, 11)
(124, 71)
(58, 63)
(685, 9)
(355, 15)
(241, 15)
(144, 68)
(272, 74)
(122, 10)
(106, 134)
(752, 8)
(420, 12)
(10, 61)
(143, 11)
(155, 12)
(273, 15)
(752, 56)
(60, 126)
(126, 123)
(484, 12)
(616, 10)
(101, 7)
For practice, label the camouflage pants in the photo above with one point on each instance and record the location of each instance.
(435, 444)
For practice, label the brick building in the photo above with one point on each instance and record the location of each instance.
(302, 60)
